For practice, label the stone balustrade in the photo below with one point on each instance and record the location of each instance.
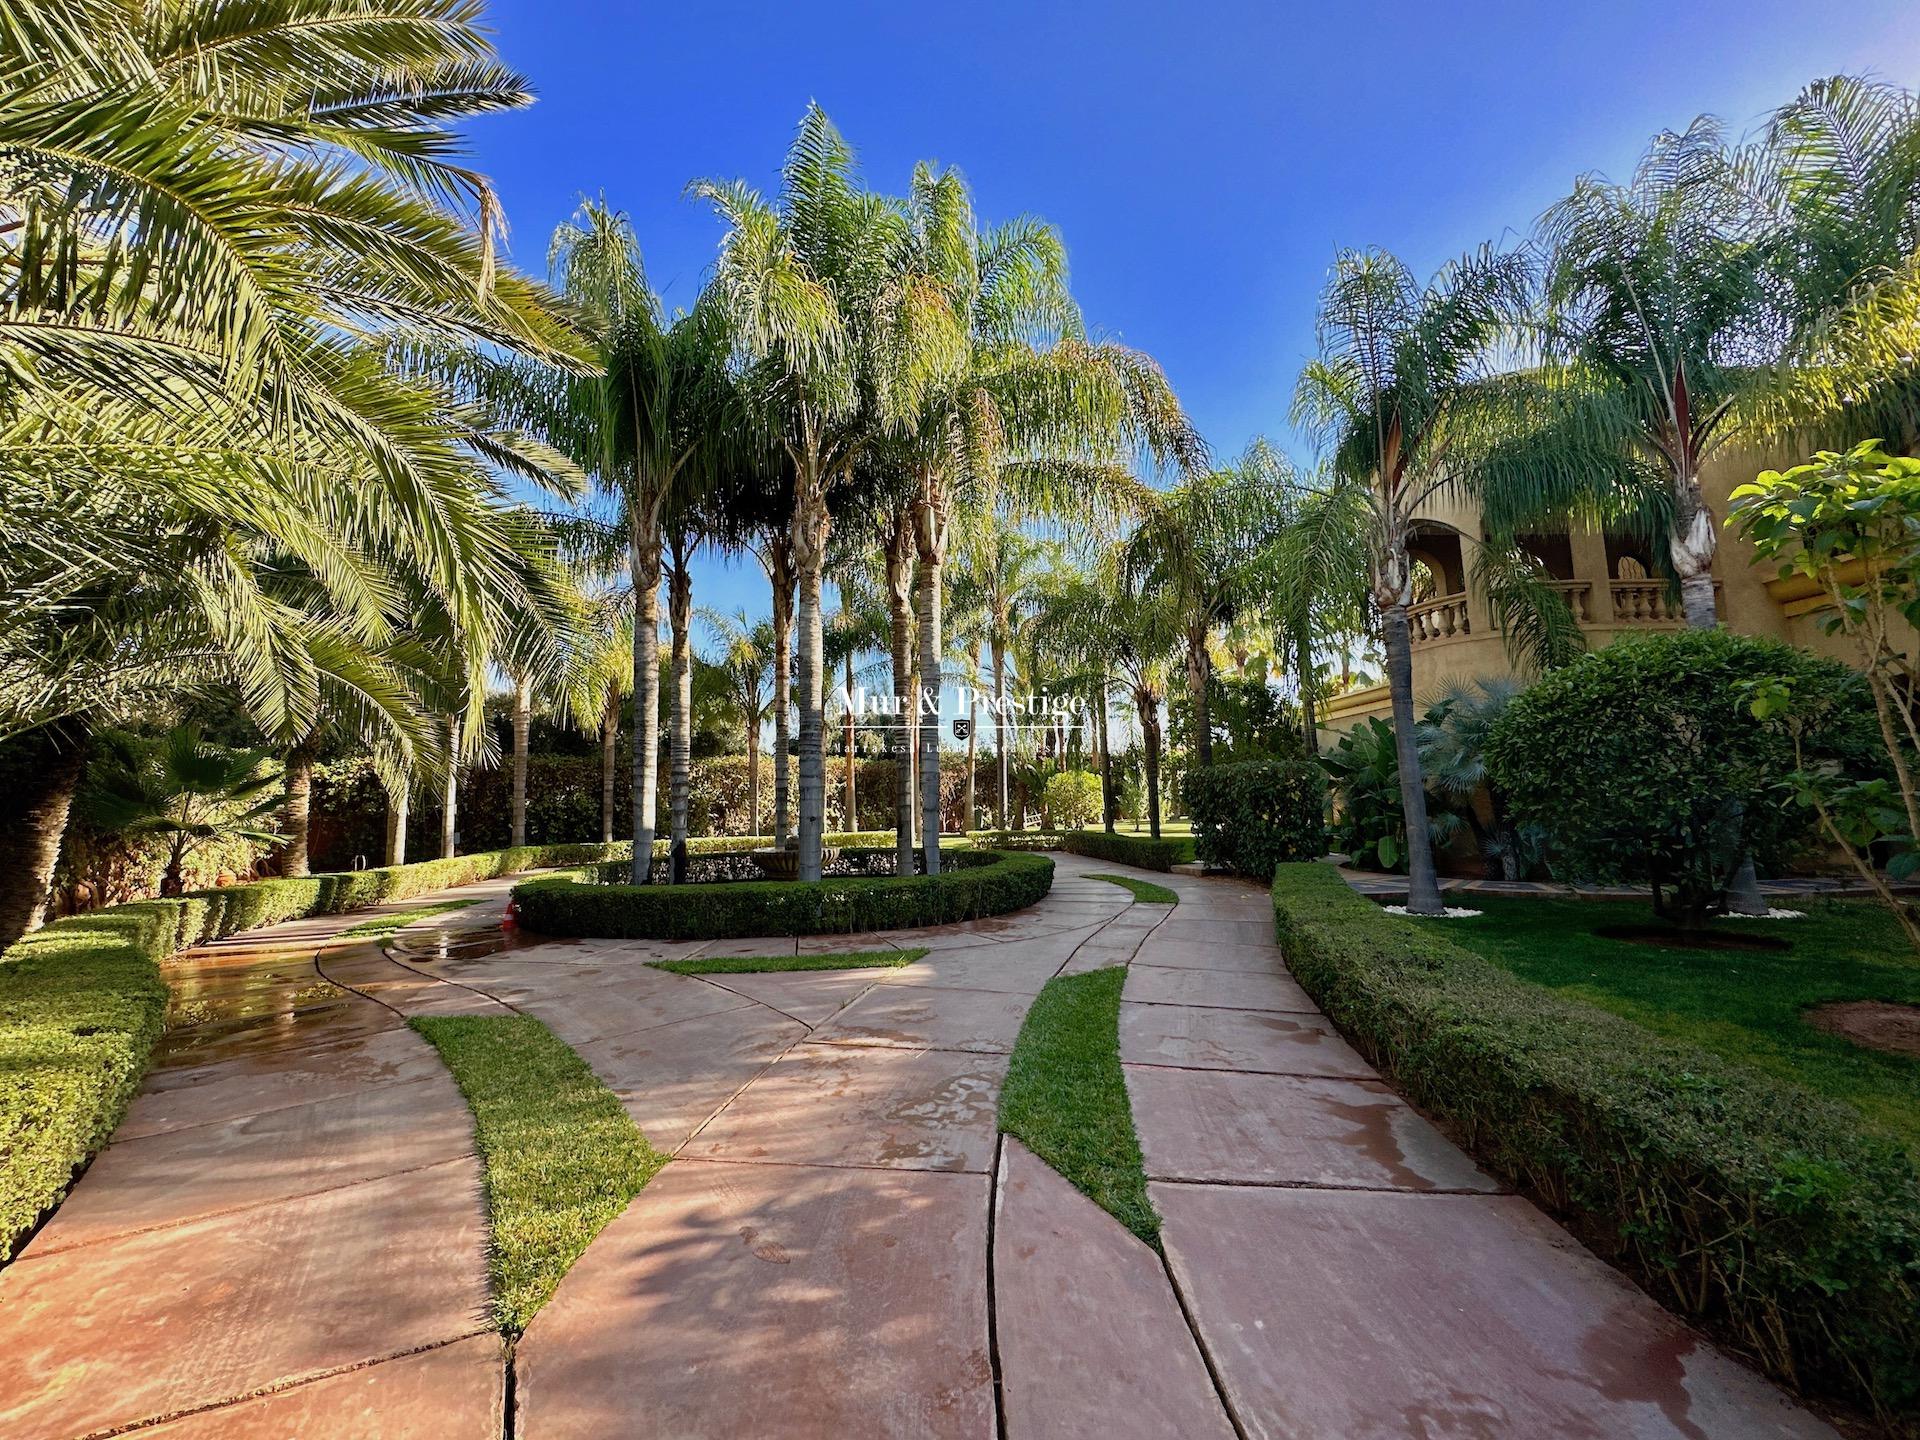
(1438, 619)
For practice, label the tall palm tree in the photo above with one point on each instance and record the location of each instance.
(1399, 364)
(745, 662)
(812, 286)
(1022, 405)
(1007, 565)
(599, 678)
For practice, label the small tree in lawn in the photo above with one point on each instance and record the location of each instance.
(1851, 523)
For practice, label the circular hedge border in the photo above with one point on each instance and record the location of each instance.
(981, 883)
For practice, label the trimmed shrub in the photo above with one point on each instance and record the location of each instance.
(1072, 798)
(1257, 814)
(1014, 839)
(980, 883)
(82, 1002)
(1643, 761)
(1764, 1212)
(1141, 850)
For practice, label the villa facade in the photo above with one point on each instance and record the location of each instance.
(1610, 583)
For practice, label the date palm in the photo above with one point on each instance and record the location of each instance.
(1399, 365)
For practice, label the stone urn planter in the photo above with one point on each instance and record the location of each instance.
(784, 864)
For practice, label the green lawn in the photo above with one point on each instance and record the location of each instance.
(387, 924)
(762, 964)
(1066, 1099)
(1743, 1005)
(1145, 891)
(562, 1157)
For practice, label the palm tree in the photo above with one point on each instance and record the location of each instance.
(1022, 405)
(598, 679)
(1398, 365)
(183, 791)
(745, 663)
(1006, 564)
(812, 289)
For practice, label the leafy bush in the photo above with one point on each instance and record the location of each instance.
(1255, 814)
(978, 882)
(1643, 761)
(1369, 822)
(1014, 839)
(1072, 798)
(81, 1003)
(1141, 850)
(1760, 1210)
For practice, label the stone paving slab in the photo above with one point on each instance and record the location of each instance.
(1220, 989)
(252, 1085)
(1016, 969)
(1222, 1126)
(863, 1105)
(919, 1017)
(1371, 1314)
(1257, 1040)
(809, 996)
(172, 1320)
(638, 1001)
(1091, 1339)
(454, 1392)
(277, 1035)
(1156, 949)
(1209, 930)
(755, 1300)
(184, 1175)
(672, 1078)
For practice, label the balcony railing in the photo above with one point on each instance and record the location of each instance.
(1631, 602)
(1438, 619)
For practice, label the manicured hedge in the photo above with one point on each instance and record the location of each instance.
(1014, 839)
(1141, 850)
(1766, 1213)
(81, 1003)
(1257, 814)
(977, 883)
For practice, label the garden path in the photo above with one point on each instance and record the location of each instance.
(842, 1245)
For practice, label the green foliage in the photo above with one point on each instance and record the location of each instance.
(81, 1003)
(1065, 1096)
(1140, 850)
(1644, 762)
(1072, 798)
(978, 883)
(1256, 814)
(773, 964)
(562, 1156)
(1369, 822)
(1144, 891)
(1755, 1208)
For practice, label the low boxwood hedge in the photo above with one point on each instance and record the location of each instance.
(81, 1003)
(1141, 850)
(976, 883)
(1764, 1212)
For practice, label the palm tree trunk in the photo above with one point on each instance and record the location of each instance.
(1199, 664)
(853, 791)
(296, 810)
(1691, 547)
(680, 737)
(900, 634)
(1108, 800)
(450, 793)
(1303, 664)
(609, 751)
(522, 726)
(753, 779)
(399, 811)
(932, 537)
(810, 529)
(1000, 724)
(1147, 704)
(42, 771)
(973, 736)
(780, 571)
(644, 563)
(1423, 887)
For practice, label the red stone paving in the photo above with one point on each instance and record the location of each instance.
(816, 1263)
(1091, 1338)
(758, 1300)
(1363, 1315)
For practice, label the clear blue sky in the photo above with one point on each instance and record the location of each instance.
(1204, 161)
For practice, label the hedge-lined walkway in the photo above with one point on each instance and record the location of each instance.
(842, 1244)
(290, 1205)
